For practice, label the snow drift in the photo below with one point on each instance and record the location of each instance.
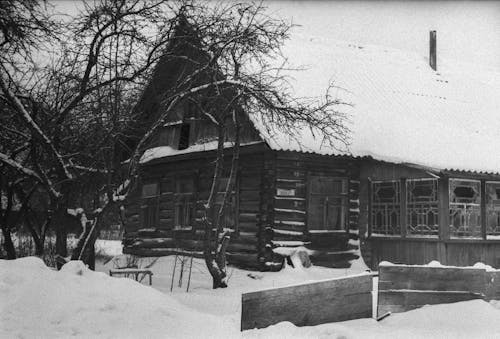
(42, 303)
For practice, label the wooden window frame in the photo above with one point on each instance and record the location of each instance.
(183, 199)
(481, 205)
(400, 210)
(344, 203)
(409, 205)
(148, 204)
(487, 210)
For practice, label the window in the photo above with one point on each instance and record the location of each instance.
(327, 203)
(149, 190)
(149, 207)
(465, 208)
(184, 136)
(492, 208)
(422, 207)
(184, 195)
(386, 204)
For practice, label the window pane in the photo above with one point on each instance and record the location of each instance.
(184, 194)
(465, 208)
(327, 204)
(184, 185)
(386, 203)
(149, 190)
(329, 186)
(492, 208)
(422, 207)
(150, 213)
(183, 210)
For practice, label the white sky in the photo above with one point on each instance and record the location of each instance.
(466, 30)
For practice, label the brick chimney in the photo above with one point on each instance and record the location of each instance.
(432, 50)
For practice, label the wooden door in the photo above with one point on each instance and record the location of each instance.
(327, 205)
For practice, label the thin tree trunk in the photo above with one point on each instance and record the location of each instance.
(85, 248)
(8, 244)
(209, 252)
(61, 234)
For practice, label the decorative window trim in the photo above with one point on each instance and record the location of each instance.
(466, 214)
(492, 231)
(424, 212)
(388, 212)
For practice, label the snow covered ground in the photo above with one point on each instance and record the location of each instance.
(38, 302)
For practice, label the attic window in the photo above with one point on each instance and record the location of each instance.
(184, 136)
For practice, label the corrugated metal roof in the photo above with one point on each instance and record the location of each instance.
(403, 111)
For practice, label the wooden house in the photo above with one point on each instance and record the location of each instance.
(419, 181)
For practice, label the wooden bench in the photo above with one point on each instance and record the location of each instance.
(132, 272)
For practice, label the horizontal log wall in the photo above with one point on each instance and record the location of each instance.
(245, 248)
(402, 288)
(290, 212)
(309, 304)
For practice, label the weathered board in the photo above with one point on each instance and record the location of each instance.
(402, 288)
(309, 304)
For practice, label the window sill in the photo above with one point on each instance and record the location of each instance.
(182, 228)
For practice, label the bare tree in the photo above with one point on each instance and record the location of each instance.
(68, 112)
(76, 118)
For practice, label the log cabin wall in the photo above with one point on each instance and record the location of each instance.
(272, 208)
(170, 221)
(293, 221)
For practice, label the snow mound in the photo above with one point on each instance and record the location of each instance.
(434, 263)
(486, 267)
(467, 319)
(76, 267)
(38, 302)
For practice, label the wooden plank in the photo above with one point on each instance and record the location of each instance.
(432, 278)
(402, 301)
(159, 252)
(248, 226)
(493, 287)
(241, 248)
(249, 206)
(309, 304)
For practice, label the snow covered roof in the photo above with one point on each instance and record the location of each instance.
(167, 151)
(403, 111)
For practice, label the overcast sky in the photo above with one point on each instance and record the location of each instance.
(466, 30)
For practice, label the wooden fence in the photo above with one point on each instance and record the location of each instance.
(403, 287)
(309, 304)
